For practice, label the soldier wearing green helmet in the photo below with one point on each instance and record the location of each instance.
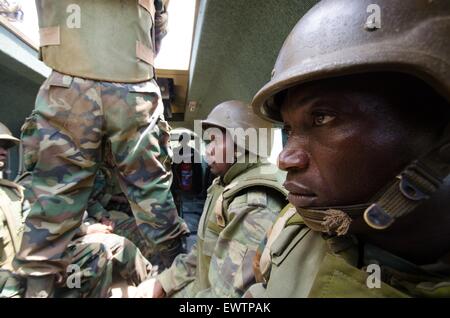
(363, 90)
(241, 205)
(12, 210)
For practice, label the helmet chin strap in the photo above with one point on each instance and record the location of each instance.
(332, 220)
(415, 184)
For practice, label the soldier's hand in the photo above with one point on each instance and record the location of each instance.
(99, 228)
(151, 288)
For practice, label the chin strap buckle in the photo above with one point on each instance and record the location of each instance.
(377, 218)
(416, 183)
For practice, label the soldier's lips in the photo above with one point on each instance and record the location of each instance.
(299, 195)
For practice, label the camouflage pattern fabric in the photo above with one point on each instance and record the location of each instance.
(90, 274)
(127, 261)
(220, 264)
(11, 285)
(73, 116)
(103, 198)
(99, 257)
(103, 191)
(91, 266)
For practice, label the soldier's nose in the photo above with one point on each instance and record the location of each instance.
(293, 158)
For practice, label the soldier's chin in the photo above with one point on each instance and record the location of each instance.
(2, 165)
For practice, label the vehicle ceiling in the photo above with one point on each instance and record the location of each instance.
(235, 46)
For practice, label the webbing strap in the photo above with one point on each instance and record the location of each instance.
(415, 184)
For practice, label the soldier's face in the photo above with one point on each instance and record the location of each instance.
(3, 156)
(219, 152)
(343, 146)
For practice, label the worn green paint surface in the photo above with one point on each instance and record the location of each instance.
(235, 48)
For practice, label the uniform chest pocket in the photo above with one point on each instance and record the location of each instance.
(234, 263)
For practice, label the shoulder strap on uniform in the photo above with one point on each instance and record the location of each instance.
(286, 214)
(264, 175)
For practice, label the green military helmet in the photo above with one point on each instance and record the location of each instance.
(343, 37)
(7, 137)
(235, 115)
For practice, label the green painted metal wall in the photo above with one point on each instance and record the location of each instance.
(236, 47)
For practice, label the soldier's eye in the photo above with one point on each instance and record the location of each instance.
(320, 119)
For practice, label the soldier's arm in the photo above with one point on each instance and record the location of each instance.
(181, 273)
(249, 217)
(161, 21)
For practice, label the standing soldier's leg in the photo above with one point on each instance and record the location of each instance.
(128, 262)
(125, 225)
(90, 272)
(69, 120)
(143, 159)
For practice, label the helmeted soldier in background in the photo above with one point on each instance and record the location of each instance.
(12, 209)
(102, 88)
(241, 205)
(365, 103)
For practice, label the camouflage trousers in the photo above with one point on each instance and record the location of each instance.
(11, 285)
(96, 261)
(89, 274)
(65, 135)
(128, 263)
(125, 225)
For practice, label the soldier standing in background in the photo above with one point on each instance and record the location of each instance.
(102, 88)
(241, 205)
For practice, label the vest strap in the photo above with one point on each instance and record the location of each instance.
(273, 235)
(149, 6)
(417, 183)
(144, 53)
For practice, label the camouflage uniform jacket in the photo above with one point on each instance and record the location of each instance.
(238, 211)
(304, 263)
